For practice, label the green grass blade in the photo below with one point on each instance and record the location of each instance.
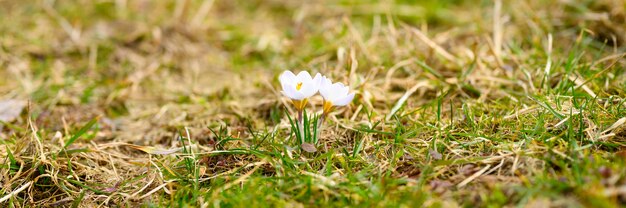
(80, 132)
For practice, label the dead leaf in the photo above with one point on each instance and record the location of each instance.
(440, 186)
(10, 109)
(308, 147)
(617, 123)
(113, 189)
(435, 155)
(468, 170)
(154, 150)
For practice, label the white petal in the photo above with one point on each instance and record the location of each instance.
(335, 91)
(338, 85)
(287, 77)
(316, 83)
(344, 91)
(309, 88)
(325, 87)
(326, 81)
(304, 76)
(288, 90)
(344, 101)
(318, 79)
(291, 92)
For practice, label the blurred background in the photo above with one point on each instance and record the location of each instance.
(132, 57)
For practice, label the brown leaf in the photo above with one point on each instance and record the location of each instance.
(308, 147)
(468, 169)
(112, 189)
(435, 155)
(440, 186)
(154, 150)
(11, 109)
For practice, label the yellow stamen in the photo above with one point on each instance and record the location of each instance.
(300, 104)
(328, 107)
(298, 86)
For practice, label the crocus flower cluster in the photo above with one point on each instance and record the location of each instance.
(299, 88)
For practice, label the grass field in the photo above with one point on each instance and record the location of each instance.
(177, 103)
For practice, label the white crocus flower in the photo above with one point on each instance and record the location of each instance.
(299, 87)
(334, 95)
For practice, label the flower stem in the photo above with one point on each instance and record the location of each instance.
(301, 126)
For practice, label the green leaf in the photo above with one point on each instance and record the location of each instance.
(80, 132)
(11, 157)
(77, 201)
(72, 151)
(548, 107)
(358, 147)
(429, 69)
